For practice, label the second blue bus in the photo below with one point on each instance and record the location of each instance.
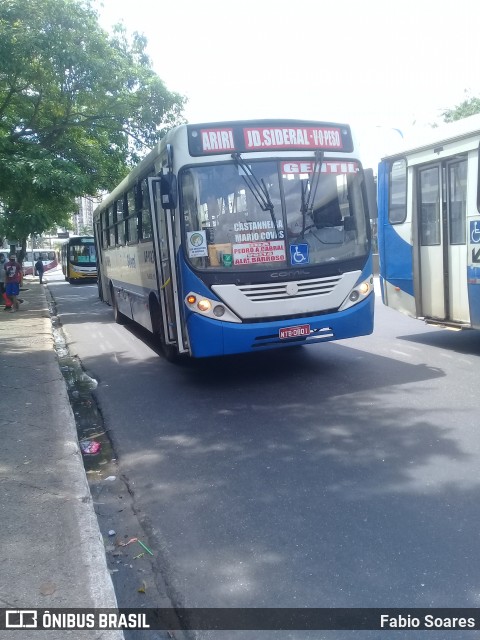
(429, 226)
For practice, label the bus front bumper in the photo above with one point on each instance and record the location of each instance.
(208, 337)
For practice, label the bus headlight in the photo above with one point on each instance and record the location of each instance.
(365, 288)
(204, 305)
(210, 308)
(358, 293)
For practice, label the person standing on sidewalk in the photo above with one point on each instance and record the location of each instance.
(39, 269)
(3, 275)
(13, 278)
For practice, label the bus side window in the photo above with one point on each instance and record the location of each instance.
(144, 212)
(397, 210)
(120, 222)
(104, 222)
(190, 202)
(111, 226)
(132, 221)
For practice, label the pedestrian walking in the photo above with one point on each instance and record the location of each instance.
(39, 269)
(3, 275)
(13, 278)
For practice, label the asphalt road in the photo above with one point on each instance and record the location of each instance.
(334, 475)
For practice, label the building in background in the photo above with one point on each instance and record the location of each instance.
(82, 219)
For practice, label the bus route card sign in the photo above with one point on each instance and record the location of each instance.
(197, 244)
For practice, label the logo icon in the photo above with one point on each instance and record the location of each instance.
(20, 619)
(196, 239)
(292, 288)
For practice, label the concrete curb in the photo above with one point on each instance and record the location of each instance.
(52, 553)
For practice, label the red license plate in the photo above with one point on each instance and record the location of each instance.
(294, 332)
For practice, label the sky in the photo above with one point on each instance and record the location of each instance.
(381, 66)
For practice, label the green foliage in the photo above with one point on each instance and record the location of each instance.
(468, 107)
(77, 108)
(18, 225)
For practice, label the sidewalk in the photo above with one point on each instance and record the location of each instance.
(51, 554)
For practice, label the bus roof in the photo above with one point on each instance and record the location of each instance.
(445, 133)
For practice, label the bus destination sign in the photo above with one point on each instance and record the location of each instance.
(271, 136)
(217, 140)
(293, 138)
(328, 166)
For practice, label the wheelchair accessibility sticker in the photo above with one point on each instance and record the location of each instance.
(299, 254)
(475, 239)
(475, 231)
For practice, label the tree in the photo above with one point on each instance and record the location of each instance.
(77, 108)
(17, 224)
(467, 107)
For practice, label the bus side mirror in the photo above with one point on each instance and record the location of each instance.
(371, 189)
(168, 191)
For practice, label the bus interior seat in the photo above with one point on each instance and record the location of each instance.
(328, 216)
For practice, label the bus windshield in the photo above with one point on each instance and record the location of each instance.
(310, 214)
(83, 254)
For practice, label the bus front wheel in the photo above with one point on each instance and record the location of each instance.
(169, 351)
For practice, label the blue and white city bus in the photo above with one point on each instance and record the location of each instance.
(238, 237)
(429, 226)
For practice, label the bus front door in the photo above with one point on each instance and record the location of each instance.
(441, 207)
(171, 325)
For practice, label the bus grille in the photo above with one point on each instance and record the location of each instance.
(285, 290)
(287, 299)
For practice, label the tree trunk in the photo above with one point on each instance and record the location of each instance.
(23, 251)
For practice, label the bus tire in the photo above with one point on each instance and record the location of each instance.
(169, 351)
(118, 316)
(100, 289)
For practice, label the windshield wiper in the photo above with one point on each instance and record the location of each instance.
(310, 191)
(257, 187)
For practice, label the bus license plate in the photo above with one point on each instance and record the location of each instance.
(294, 332)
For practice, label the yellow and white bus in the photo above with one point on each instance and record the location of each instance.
(79, 259)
